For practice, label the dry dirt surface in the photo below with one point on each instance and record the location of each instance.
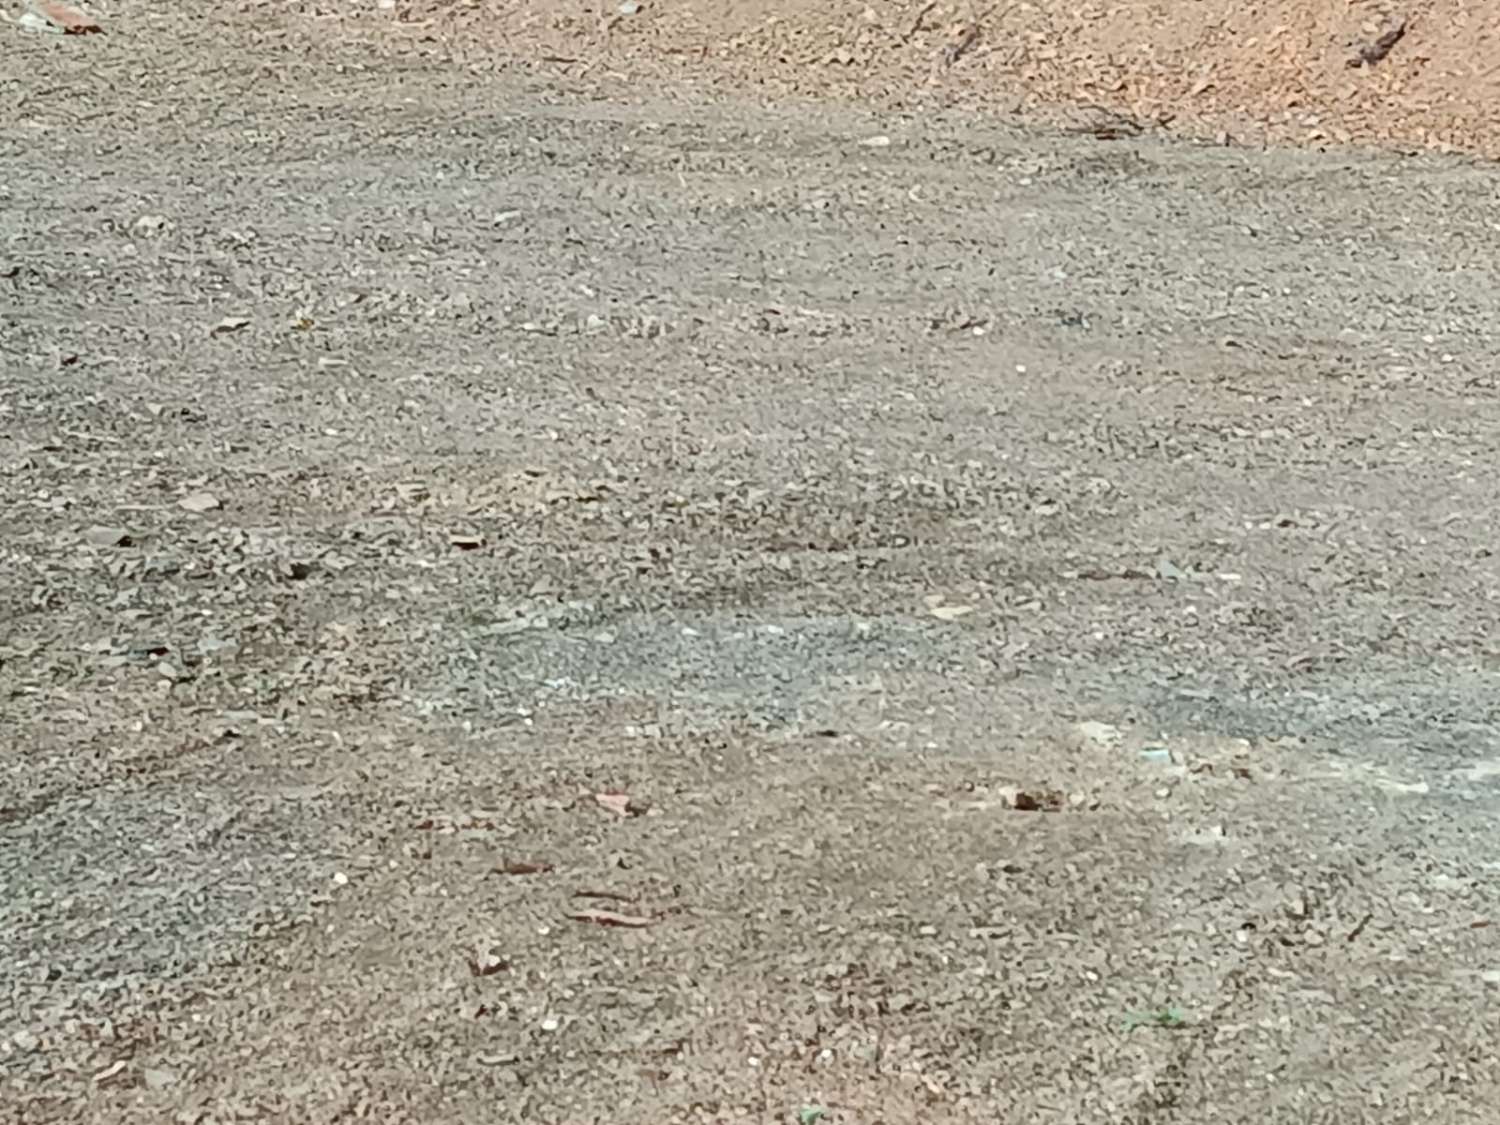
(537, 598)
(1410, 73)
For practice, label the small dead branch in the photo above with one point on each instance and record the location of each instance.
(916, 24)
(1359, 928)
(610, 918)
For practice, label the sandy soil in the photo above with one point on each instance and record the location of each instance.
(565, 598)
(1413, 73)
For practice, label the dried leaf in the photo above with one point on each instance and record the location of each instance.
(617, 803)
(65, 18)
(610, 918)
(1100, 734)
(1375, 52)
(1034, 800)
(107, 537)
(950, 612)
(229, 324)
(199, 502)
(621, 804)
(486, 964)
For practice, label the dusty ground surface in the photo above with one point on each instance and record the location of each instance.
(1026, 602)
(1411, 73)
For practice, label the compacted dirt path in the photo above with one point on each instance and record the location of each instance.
(541, 603)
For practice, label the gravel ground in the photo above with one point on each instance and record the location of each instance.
(540, 603)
